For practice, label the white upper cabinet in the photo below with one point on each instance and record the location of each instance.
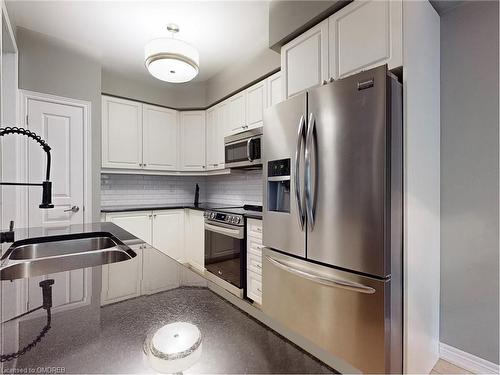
(211, 138)
(237, 114)
(365, 34)
(256, 101)
(274, 89)
(304, 60)
(160, 138)
(121, 133)
(193, 140)
(215, 137)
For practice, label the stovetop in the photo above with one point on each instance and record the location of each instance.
(238, 210)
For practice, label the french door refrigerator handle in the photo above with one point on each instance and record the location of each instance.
(298, 195)
(310, 199)
(330, 282)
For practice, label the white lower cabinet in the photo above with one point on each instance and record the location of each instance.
(254, 260)
(178, 233)
(123, 280)
(168, 233)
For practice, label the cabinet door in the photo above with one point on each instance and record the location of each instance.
(304, 60)
(122, 280)
(222, 118)
(365, 34)
(160, 138)
(274, 89)
(159, 272)
(121, 133)
(237, 113)
(168, 233)
(193, 140)
(211, 145)
(195, 239)
(255, 104)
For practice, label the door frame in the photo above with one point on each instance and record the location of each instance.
(25, 96)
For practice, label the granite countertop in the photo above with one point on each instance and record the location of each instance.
(172, 206)
(165, 206)
(86, 337)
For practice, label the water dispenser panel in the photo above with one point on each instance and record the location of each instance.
(278, 185)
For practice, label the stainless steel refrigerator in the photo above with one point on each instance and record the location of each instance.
(332, 218)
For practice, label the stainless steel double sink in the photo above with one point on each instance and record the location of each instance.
(46, 255)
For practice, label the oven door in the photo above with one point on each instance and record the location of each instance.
(224, 249)
(243, 152)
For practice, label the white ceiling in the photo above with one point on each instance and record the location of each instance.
(115, 32)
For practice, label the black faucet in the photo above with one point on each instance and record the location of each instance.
(46, 185)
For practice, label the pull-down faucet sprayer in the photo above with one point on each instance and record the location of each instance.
(46, 185)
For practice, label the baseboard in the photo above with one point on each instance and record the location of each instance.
(466, 360)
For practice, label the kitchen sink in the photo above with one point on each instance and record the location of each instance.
(45, 255)
(62, 247)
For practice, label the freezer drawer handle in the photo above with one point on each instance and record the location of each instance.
(334, 283)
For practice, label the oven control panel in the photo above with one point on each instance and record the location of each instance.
(222, 217)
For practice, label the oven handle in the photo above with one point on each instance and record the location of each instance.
(234, 233)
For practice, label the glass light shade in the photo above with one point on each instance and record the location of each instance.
(171, 60)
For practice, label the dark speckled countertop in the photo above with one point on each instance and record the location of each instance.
(173, 206)
(86, 337)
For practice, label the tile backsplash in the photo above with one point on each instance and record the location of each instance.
(126, 190)
(237, 188)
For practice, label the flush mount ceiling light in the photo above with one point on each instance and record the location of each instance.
(171, 60)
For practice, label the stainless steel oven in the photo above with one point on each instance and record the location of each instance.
(243, 150)
(225, 247)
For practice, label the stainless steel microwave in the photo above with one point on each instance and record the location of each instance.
(244, 150)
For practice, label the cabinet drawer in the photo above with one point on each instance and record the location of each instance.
(254, 246)
(254, 228)
(254, 263)
(254, 287)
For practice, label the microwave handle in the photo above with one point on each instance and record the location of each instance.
(249, 157)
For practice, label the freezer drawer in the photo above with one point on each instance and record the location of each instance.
(346, 314)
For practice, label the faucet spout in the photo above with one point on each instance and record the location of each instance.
(46, 185)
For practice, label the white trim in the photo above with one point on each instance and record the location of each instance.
(466, 360)
(87, 143)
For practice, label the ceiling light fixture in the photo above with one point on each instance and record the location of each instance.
(171, 60)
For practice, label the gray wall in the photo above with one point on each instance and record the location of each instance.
(469, 179)
(51, 66)
(288, 19)
(234, 77)
(186, 95)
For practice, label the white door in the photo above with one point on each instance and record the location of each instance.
(195, 239)
(256, 101)
(160, 138)
(304, 60)
(168, 233)
(212, 156)
(365, 34)
(122, 280)
(193, 140)
(237, 113)
(121, 133)
(62, 127)
(274, 89)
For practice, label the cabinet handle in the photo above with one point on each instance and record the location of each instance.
(259, 290)
(258, 265)
(154, 215)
